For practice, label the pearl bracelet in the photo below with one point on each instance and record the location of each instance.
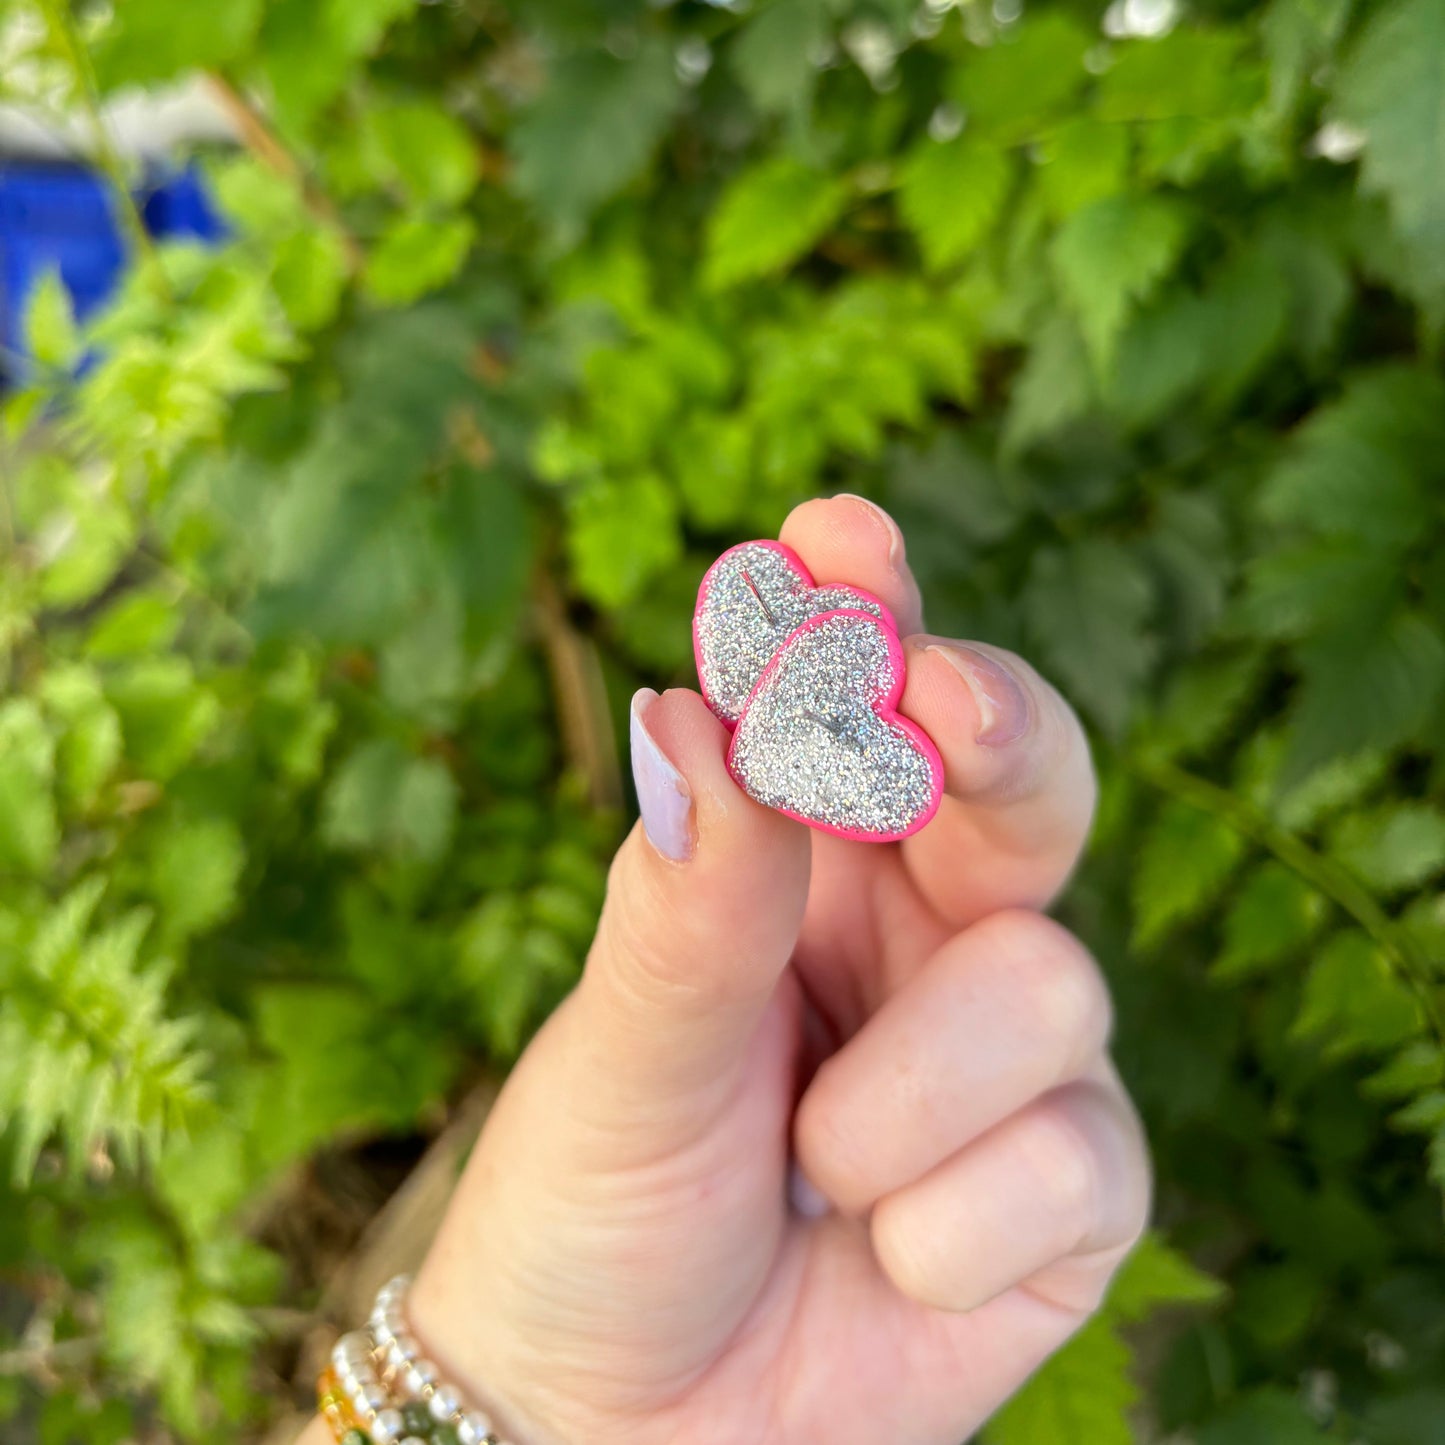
(379, 1388)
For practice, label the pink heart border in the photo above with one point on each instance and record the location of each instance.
(886, 708)
(796, 563)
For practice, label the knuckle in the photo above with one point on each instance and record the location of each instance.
(1059, 1157)
(1057, 984)
(642, 934)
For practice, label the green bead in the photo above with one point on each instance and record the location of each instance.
(417, 1418)
(356, 1437)
(445, 1435)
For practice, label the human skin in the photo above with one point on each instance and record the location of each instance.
(826, 1144)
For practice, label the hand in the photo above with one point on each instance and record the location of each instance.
(630, 1255)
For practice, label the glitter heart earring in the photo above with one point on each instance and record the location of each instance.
(821, 739)
(809, 679)
(749, 601)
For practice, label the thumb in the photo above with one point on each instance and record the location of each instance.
(704, 903)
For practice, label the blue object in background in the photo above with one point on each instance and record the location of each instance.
(54, 215)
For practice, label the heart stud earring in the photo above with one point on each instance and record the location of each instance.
(809, 679)
(750, 599)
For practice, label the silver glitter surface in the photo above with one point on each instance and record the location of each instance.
(752, 597)
(812, 742)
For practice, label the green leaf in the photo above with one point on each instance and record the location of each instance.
(1155, 1275)
(1163, 354)
(1008, 90)
(1276, 1303)
(355, 27)
(1264, 1417)
(1301, 591)
(775, 56)
(1110, 257)
(1311, 257)
(621, 535)
(89, 741)
(353, 538)
(1184, 862)
(151, 40)
(50, 333)
(1407, 1418)
(1187, 73)
(592, 131)
(29, 831)
(511, 961)
(1362, 467)
(1326, 789)
(427, 150)
(1201, 703)
(1054, 388)
(291, 722)
(1274, 916)
(311, 271)
(1397, 846)
(1299, 39)
(86, 1048)
(195, 872)
(137, 622)
(1080, 162)
(385, 799)
(1084, 1393)
(1247, 306)
(1355, 696)
(950, 194)
(416, 255)
(337, 1069)
(1418, 1069)
(307, 50)
(1088, 607)
(1392, 89)
(768, 218)
(1353, 1002)
(165, 714)
(423, 667)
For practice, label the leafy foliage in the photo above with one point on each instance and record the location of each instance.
(325, 580)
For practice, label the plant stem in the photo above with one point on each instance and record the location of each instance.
(1412, 965)
(268, 147)
(68, 41)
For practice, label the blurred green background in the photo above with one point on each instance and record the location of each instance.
(325, 585)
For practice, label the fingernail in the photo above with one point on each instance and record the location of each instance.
(663, 797)
(895, 533)
(804, 1196)
(1004, 710)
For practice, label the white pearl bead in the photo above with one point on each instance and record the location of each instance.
(445, 1403)
(373, 1396)
(381, 1331)
(420, 1375)
(404, 1349)
(394, 1289)
(413, 1440)
(386, 1428)
(473, 1428)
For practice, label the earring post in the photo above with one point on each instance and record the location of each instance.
(753, 588)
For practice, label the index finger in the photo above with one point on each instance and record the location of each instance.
(1018, 778)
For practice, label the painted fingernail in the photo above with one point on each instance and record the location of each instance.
(663, 797)
(805, 1197)
(1004, 710)
(895, 533)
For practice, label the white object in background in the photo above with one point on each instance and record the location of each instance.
(141, 124)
